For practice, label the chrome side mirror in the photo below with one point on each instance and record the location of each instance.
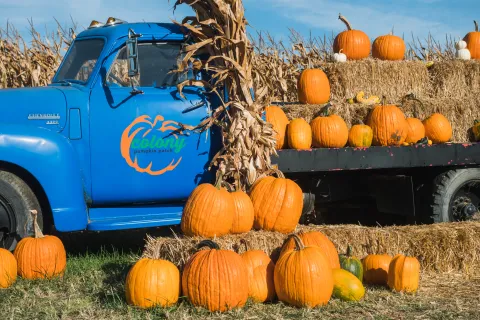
(132, 57)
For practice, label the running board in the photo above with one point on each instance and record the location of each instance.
(103, 219)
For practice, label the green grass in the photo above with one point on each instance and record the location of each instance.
(93, 285)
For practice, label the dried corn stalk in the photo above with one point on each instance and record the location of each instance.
(219, 29)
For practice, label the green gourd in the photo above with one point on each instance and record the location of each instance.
(351, 264)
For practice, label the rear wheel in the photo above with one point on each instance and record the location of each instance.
(456, 196)
(16, 201)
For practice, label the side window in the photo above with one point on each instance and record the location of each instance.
(156, 60)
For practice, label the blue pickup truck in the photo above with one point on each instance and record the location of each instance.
(100, 147)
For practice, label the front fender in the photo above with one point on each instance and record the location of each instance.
(51, 159)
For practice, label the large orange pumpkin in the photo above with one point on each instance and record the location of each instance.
(313, 87)
(375, 268)
(315, 239)
(389, 125)
(152, 282)
(215, 279)
(40, 257)
(416, 130)
(329, 131)
(354, 43)
(473, 42)
(404, 274)
(303, 277)
(243, 212)
(360, 135)
(279, 121)
(8, 268)
(277, 203)
(388, 47)
(299, 134)
(209, 212)
(260, 269)
(438, 128)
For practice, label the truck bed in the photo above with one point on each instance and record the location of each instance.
(415, 156)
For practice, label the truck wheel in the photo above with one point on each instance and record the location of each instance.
(16, 199)
(456, 196)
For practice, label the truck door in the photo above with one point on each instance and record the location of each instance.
(137, 153)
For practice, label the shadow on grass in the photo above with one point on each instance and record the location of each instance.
(112, 293)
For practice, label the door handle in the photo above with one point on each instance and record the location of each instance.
(194, 107)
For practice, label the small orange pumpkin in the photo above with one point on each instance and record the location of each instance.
(329, 131)
(388, 47)
(243, 212)
(40, 257)
(303, 277)
(215, 279)
(260, 274)
(152, 282)
(360, 135)
(277, 203)
(299, 134)
(388, 124)
(279, 121)
(313, 87)
(404, 274)
(315, 239)
(375, 268)
(354, 43)
(209, 211)
(473, 42)
(8, 268)
(438, 128)
(416, 130)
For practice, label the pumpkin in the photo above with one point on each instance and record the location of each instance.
(313, 87)
(315, 239)
(340, 57)
(360, 98)
(351, 264)
(279, 121)
(388, 124)
(8, 268)
(354, 43)
(299, 134)
(347, 286)
(277, 203)
(360, 135)
(40, 256)
(438, 128)
(303, 277)
(152, 282)
(260, 270)
(476, 130)
(375, 268)
(209, 211)
(473, 42)
(462, 52)
(329, 131)
(388, 47)
(416, 130)
(404, 274)
(215, 279)
(243, 212)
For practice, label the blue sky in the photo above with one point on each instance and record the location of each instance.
(319, 17)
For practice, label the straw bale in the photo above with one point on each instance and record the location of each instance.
(444, 247)
(455, 78)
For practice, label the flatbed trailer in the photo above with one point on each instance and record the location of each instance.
(427, 183)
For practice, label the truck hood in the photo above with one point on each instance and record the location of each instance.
(44, 107)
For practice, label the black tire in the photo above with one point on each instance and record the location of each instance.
(16, 201)
(446, 187)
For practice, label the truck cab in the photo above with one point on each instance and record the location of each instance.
(102, 146)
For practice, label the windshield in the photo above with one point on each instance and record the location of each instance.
(81, 61)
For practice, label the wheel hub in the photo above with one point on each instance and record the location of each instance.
(7, 223)
(463, 209)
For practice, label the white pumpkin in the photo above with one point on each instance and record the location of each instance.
(461, 45)
(462, 52)
(340, 57)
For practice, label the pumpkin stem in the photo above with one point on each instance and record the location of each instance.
(476, 121)
(344, 20)
(208, 243)
(349, 251)
(326, 110)
(298, 242)
(383, 100)
(36, 228)
(476, 25)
